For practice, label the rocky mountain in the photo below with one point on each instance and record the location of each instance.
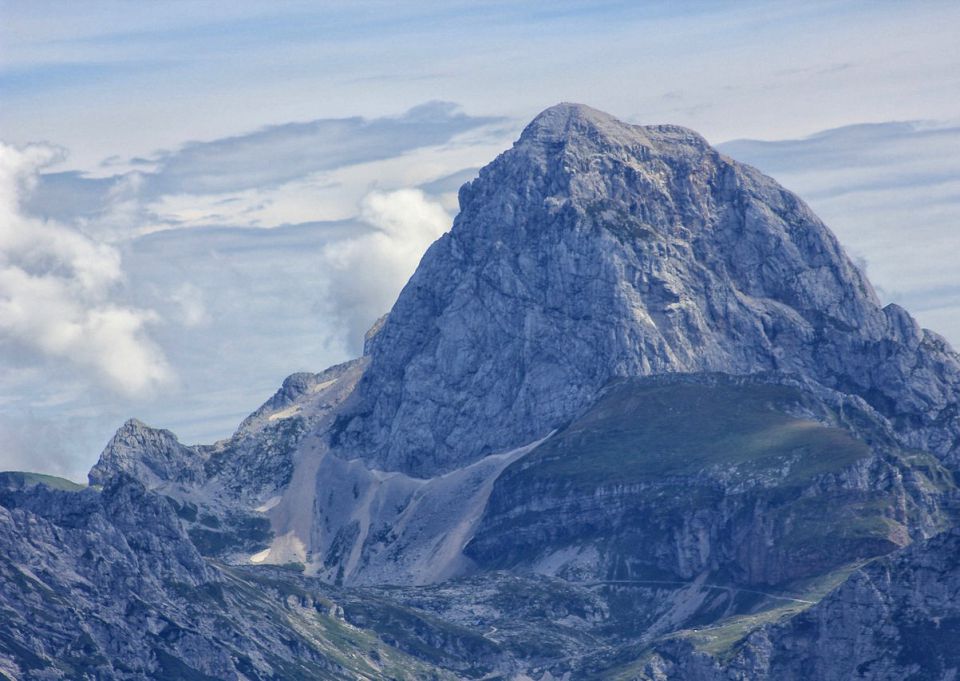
(595, 249)
(635, 416)
(107, 584)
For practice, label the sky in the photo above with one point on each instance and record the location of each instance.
(200, 198)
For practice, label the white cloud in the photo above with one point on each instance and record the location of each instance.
(56, 292)
(367, 272)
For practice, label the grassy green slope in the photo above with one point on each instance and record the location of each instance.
(640, 432)
(24, 479)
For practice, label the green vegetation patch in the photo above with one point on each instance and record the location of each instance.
(641, 432)
(29, 479)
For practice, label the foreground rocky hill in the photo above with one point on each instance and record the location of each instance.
(635, 416)
(896, 618)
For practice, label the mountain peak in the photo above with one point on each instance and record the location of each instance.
(595, 249)
(147, 454)
(566, 122)
(559, 118)
(572, 123)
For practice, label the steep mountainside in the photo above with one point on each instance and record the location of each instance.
(896, 619)
(106, 584)
(635, 416)
(595, 249)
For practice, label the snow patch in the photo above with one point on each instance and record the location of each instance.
(322, 386)
(260, 557)
(292, 410)
(268, 504)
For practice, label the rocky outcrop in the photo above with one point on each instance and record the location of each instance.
(223, 491)
(82, 571)
(149, 455)
(898, 618)
(106, 584)
(895, 619)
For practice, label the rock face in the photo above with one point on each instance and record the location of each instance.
(106, 584)
(897, 618)
(914, 593)
(635, 416)
(595, 249)
(149, 455)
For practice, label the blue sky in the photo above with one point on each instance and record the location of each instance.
(199, 198)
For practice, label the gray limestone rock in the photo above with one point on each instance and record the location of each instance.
(897, 618)
(594, 249)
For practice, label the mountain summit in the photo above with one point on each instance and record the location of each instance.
(578, 124)
(595, 249)
(636, 416)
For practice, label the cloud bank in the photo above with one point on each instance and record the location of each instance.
(278, 154)
(57, 291)
(279, 174)
(182, 289)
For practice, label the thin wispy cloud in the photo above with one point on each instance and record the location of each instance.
(281, 153)
(280, 174)
(767, 69)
